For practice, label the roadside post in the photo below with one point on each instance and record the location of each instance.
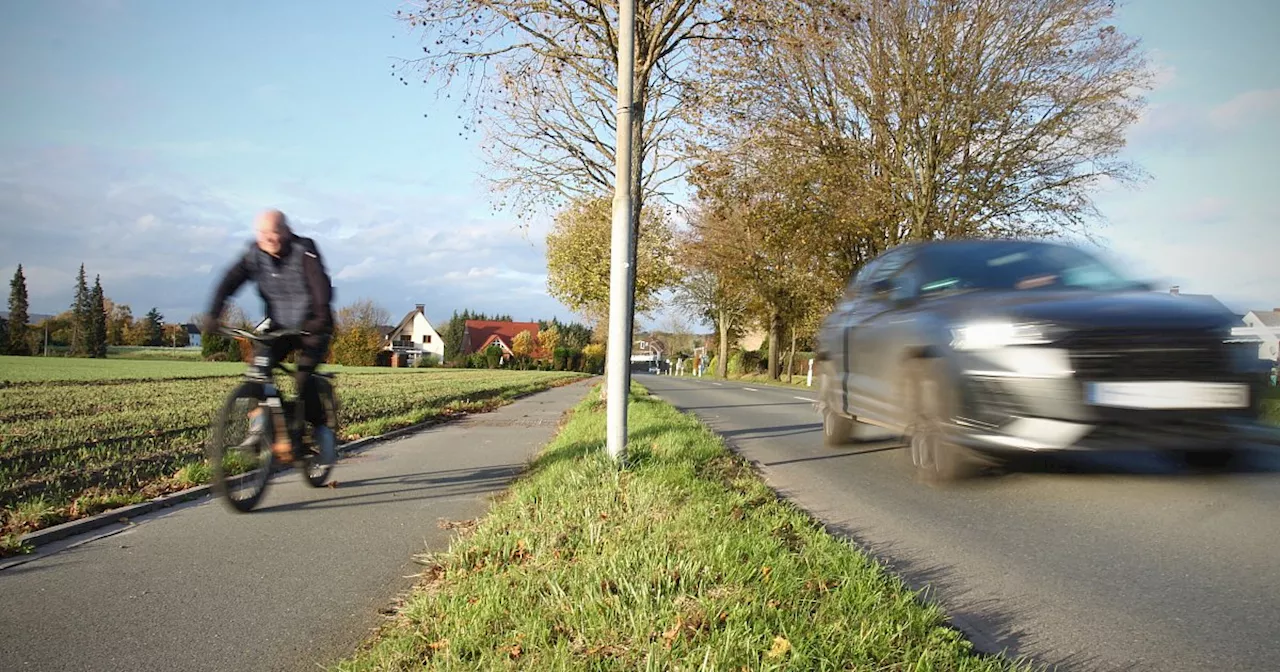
(621, 294)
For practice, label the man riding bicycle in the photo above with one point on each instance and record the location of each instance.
(293, 283)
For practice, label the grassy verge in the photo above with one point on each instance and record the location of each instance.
(684, 561)
(69, 450)
(1271, 406)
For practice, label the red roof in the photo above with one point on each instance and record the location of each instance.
(480, 332)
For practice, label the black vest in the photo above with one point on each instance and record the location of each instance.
(282, 284)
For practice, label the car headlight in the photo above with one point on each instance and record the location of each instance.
(994, 335)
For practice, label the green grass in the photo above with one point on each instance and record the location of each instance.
(139, 428)
(686, 560)
(1271, 406)
(19, 370)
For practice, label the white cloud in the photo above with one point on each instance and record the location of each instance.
(1245, 109)
(367, 267)
(160, 238)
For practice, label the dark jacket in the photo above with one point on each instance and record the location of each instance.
(295, 286)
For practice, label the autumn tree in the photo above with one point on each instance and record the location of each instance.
(16, 342)
(119, 324)
(522, 346)
(578, 260)
(358, 333)
(757, 231)
(708, 291)
(994, 118)
(548, 341)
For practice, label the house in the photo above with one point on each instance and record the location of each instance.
(480, 334)
(414, 337)
(193, 335)
(1177, 291)
(1266, 319)
(753, 339)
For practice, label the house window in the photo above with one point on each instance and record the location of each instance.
(405, 338)
(426, 338)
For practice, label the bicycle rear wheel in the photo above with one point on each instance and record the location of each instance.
(239, 448)
(322, 455)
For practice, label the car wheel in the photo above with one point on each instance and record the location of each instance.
(929, 403)
(837, 430)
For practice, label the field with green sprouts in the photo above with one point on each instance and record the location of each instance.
(81, 436)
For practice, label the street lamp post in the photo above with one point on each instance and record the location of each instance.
(621, 294)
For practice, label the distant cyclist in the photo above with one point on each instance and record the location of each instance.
(293, 283)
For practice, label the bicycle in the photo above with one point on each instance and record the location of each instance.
(270, 421)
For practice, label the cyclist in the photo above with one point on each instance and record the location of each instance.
(296, 289)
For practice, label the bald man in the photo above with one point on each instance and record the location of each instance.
(293, 283)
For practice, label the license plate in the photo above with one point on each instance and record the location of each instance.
(1168, 395)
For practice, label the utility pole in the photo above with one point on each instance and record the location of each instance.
(621, 293)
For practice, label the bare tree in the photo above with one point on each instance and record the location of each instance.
(540, 78)
(362, 313)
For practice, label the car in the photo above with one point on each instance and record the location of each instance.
(975, 351)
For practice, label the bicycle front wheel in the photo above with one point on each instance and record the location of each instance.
(239, 448)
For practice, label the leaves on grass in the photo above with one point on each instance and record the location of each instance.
(780, 647)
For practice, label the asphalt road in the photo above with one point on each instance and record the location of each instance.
(1122, 563)
(295, 584)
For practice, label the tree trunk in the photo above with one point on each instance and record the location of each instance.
(791, 356)
(775, 326)
(722, 361)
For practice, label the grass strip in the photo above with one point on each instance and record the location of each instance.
(686, 560)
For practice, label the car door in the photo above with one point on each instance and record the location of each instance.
(881, 337)
(859, 360)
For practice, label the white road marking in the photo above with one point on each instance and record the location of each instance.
(803, 398)
(751, 389)
(720, 384)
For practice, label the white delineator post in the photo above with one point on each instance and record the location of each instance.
(809, 379)
(621, 294)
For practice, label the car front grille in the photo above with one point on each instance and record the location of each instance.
(1128, 355)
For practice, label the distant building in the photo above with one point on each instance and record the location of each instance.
(480, 334)
(414, 337)
(1267, 319)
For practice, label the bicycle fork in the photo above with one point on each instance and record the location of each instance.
(268, 416)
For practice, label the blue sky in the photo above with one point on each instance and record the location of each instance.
(140, 136)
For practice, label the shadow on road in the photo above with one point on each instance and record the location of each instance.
(421, 486)
(992, 625)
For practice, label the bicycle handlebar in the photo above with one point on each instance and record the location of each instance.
(265, 338)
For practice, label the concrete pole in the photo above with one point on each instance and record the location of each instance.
(621, 293)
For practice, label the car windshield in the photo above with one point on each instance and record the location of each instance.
(1015, 266)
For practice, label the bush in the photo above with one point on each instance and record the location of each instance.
(357, 346)
(425, 361)
(735, 363)
(213, 345)
(492, 357)
(593, 358)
